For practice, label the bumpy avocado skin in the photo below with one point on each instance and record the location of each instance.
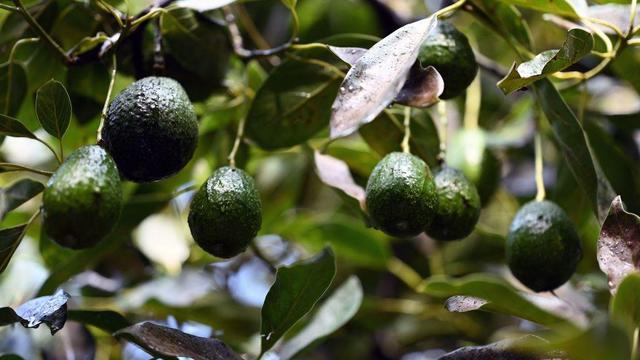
(400, 195)
(469, 153)
(83, 199)
(448, 50)
(226, 213)
(458, 207)
(543, 248)
(151, 129)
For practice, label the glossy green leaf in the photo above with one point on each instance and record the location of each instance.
(573, 145)
(10, 238)
(577, 45)
(625, 304)
(106, 320)
(509, 19)
(332, 314)
(13, 88)
(17, 194)
(53, 107)
(499, 296)
(292, 105)
(294, 293)
(167, 343)
(385, 133)
(13, 127)
(561, 7)
(48, 310)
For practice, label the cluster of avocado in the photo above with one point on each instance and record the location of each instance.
(150, 133)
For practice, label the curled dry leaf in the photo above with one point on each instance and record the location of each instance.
(461, 303)
(48, 310)
(335, 173)
(422, 89)
(619, 244)
(505, 349)
(163, 342)
(377, 77)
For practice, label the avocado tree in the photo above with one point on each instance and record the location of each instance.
(319, 179)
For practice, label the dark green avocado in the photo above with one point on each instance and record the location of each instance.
(543, 248)
(83, 199)
(448, 50)
(400, 195)
(458, 207)
(226, 213)
(468, 152)
(151, 129)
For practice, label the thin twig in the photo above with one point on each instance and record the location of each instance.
(17, 167)
(405, 273)
(443, 122)
(540, 192)
(105, 107)
(236, 143)
(158, 51)
(472, 104)
(407, 130)
(9, 8)
(41, 32)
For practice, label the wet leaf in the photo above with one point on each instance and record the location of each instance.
(13, 88)
(349, 55)
(572, 143)
(294, 293)
(165, 342)
(377, 77)
(10, 238)
(53, 107)
(577, 45)
(48, 310)
(292, 105)
(619, 244)
(106, 320)
(335, 173)
(499, 296)
(332, 314)
(422, 89)
(17, 194)
(561, 7)
(13, 127)
(625, 304)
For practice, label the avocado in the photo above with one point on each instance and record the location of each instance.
(226, 213)
(468, 152)
(151, 129)
(448, 50)
(458, 207)
(400, 195)
(543, 248)
(83, 199)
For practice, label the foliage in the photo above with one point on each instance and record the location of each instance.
(306, 97)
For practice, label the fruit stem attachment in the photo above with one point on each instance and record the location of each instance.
(540, 194)
(103, 116)
(449, 9)
(405, 273)
(236, 143)
(443, 122)
(472, 104)
(407, 130)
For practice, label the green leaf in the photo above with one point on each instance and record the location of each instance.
(292, 105)
(509, 20)
(385, 134)
(332, 314)
(13, 88)
(294, 293)
(573, 145)
(48, 310)
(625, 304)
(53, 107)
(561, 7)
(17, 194)
(13, 127)
(168, 343)
(505, 349)
(618, 244)
(499, 296)
(10, 238)
(107, 320)
(577, 45)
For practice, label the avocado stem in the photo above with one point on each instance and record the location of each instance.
(539, 166)
(472, 104)
(105, 107)
(236, 143)
(407, 130)
(443, 123)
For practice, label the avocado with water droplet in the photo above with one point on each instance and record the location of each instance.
(151, 129)
(448, 50)
(458, 207)
(83, 199)
(226, 213)
(543, 248)
(400, 195)
(469, 153)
